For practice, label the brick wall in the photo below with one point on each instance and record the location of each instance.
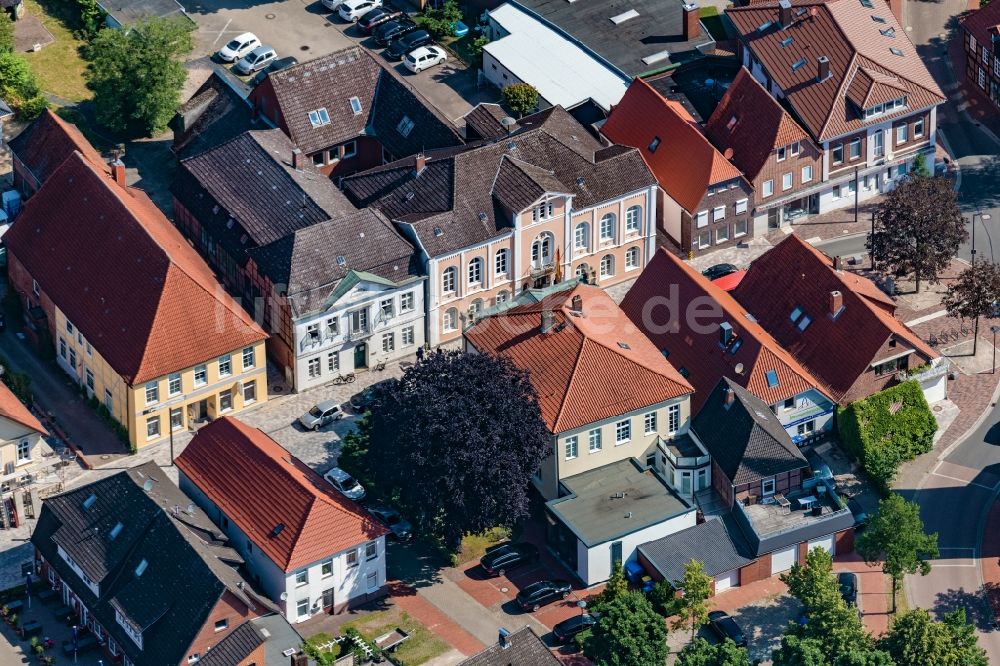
(868, 383)
(773, 170)
(728, 197)
(756, 571)
(844, 541)
(849, 163)
(229, 607)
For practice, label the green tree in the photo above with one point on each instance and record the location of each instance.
(6, 33)
(616, 588)
(700, 652)
(920, 166)
(477, 48)
(629, 633)
(19, 86)
(521, 98)
(696, 588)
(798, 651)
(863, 657)
(663, 596)
(916, 639)
(91, 18)
(895, 537)
(137, 75)
(974, 294)
(440, 21)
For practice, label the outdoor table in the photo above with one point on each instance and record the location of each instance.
(15, 605)
(807, 501)
(31, 628)
(47, 595)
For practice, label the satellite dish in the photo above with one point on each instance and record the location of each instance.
(728, 154)
(508, 123)
(190, 509)
(283, 596)
(739, 368)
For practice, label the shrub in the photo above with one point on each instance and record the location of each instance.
(474, 546)
(521, 98)
(663, 596)
(324, 657)
(887, 429)
(440, 21)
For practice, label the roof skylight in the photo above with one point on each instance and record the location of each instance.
(319, 117)
(772, 378)
(355, 105)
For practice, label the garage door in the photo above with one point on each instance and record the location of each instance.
(782, 560)
(727, 580)
(936, 389)
(826, 543)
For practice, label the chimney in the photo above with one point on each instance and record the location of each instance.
(692, 24)
(547, 321)
(838, 263)
(785, 13)
(836, 303)
(725, 333)
(576, 305)
(298, 159)
(419, 162)
(730, 396)
(822, 69)
(299, 659)
(118, 172)
(504, 639)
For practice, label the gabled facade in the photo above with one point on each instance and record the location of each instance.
(850, 77)
(21, 443)
(546, 203)
(307, 547)
(981, 37)
(703, 201)
(43, 146)
(837, 324)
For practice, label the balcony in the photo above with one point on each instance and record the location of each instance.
(542, 270)
(310, 341)
(359, 333)
(936, 369)
(800, 509)
(682, 452)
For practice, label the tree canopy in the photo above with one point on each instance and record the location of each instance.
(19, 87)
(974, 294)
(916, 639)
(629, 633)
(521, 98)
(6, 33)
(691, 606)
(136, 75)
(455, 442)
(700, 652)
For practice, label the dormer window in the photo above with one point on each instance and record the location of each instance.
(886, 107)
(654, 144)
(542, 211)
(405, 126)
(115, 531)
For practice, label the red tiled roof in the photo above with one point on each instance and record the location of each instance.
(984, 24)
(13, 409)
(685, 163)
(729, 282)
(48, 141)
(259, 485)
(124, 275)
(752, 124)
(845, 32)
(588, 368)
(682, 311)
(836, 350)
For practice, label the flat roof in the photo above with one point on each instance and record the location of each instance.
(650, 39)
(564, 73)
(615, 500)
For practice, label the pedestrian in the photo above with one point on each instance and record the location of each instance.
(420, 354)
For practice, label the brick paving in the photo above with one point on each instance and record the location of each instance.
(435, 620)
(990, 559)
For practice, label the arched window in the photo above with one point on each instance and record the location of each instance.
(476, 272)
(632, 258)
(503, 296)
(608, 227)
(475, 308)
(502, 262)
(633, 219)
(448, 280)
(451, 319)
(607, 266)
(583, 272)
(541, 250)
(581, 236)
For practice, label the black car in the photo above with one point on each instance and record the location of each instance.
(567, 629)
(508, 556)
(724, 626)
(543, 592)
(411, 40)
(275, 66)
(377, 17)
(719, 270)
(399, 527)
(393, 29)
(857, 511)
(362, 401)
(848, 587)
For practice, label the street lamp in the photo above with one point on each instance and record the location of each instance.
(983, 217)
(995, 330)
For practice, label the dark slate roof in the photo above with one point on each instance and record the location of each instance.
(466, 196)
(127, 12)
(524, 648)
(250, 179)
(188, 565)
(235, 647)
(745, 438)
(717, 543)
(308, 260)
(483, 122)
(806, 530)
(331, 81)
(217, 112)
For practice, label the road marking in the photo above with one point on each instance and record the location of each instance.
(938, 565)
(222, 32)
(963, 481)
(931, 316)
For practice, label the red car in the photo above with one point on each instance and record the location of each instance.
(377, 17)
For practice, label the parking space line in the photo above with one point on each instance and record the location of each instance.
(968, 483)
(222, 32)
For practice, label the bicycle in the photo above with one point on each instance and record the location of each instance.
(380, 366)
(349, 378)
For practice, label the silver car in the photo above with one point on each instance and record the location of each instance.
(345, 484)
(323, 413)
(256, 60)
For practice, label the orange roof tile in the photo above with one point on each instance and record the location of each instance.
(682, 312)
(260, 485)
(84, 249)
(13, 409)
(683, 160)
(46, 143)
(587, 368)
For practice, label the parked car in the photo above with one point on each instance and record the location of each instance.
(361, 402)
(719, 270)
(332, 5)
(424, 57)
(393, 29)
(321, 413)
(567, 629)
(848, 587)
(411, 40)
(725, 627)
(238, 47)
(859, 513)
(543, 592)
(377, 16)
(352, 10)
(399, 526)
(459, 29)
(345, 484)
(508, 556)
(256, 60)
(275, 66)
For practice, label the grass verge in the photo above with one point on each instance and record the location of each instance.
(712, 19)
(475, 546)
(420, 647)
(59, 65)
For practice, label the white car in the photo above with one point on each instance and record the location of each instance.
(424, 57)
(352, 10)
(256, 60)
(345, 484)
(332, 5)
(238, 47)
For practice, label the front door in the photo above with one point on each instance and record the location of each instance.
(774, 218)
(361, 355)
(328, 598)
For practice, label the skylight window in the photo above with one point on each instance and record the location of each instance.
(804, 322)
(736, 346)
(896, 52)
(685, 373)
(319, 117)
(796, 313)
(787, 41)
(867, 4)
(624, 16)
(89, 502)
(356, 105)
(801, 11)
(798, 64)
(654, 144)
(115, 531)
(732, 122)
(878, 19)
(438, 231)
(141, 568)
(341, 261)
(888, 32)
(764, 26)
(624, 345)
(772, 378)
(405, 126)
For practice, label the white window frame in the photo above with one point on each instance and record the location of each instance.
(203, 371)
(807, 173)
(741, 206)
(152, 392)
(406, 301)
(23, 451)
(631, 258)
(718, 213)
(450, 320)
(902, 134)
(571, 448)
(249, 358)
(449, 280)
(407, 336)
(623, 432)
(787, 181)
(501, 262)
(475, 272)
(172, 381)
(581, 237)
(673, 418)
(594, 441)
(736, 228)
(767, 188)
(607, 266)
(701, 219)
(767, 487)
(918, 124)
(607, 224)
(225, 365)
(153, 427)
(721, 234)
(633, 219)
(649, 423)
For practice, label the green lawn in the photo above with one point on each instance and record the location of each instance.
(712, 19)
(58, 66)
(420, 647)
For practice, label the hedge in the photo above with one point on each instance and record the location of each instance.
(886, 429)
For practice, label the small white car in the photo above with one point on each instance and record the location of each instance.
(352, 10)
(258, 59)
(345, 484)
(332, 5)
(238, 47)
(424, 57)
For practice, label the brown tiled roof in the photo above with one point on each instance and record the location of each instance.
(13, 409)
(684, 161)
(690, 336)
(524, 648)
(845, 32)
(48, 141)
(460, 198)
(837, 350)
(483, 122)
(984, 25)
(124, 275)
(331, 81)
(751, 123)
(587, 368)
(260, 485)
(215, 113)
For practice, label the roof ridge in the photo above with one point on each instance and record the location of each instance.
(844, 84)
(569, 383)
